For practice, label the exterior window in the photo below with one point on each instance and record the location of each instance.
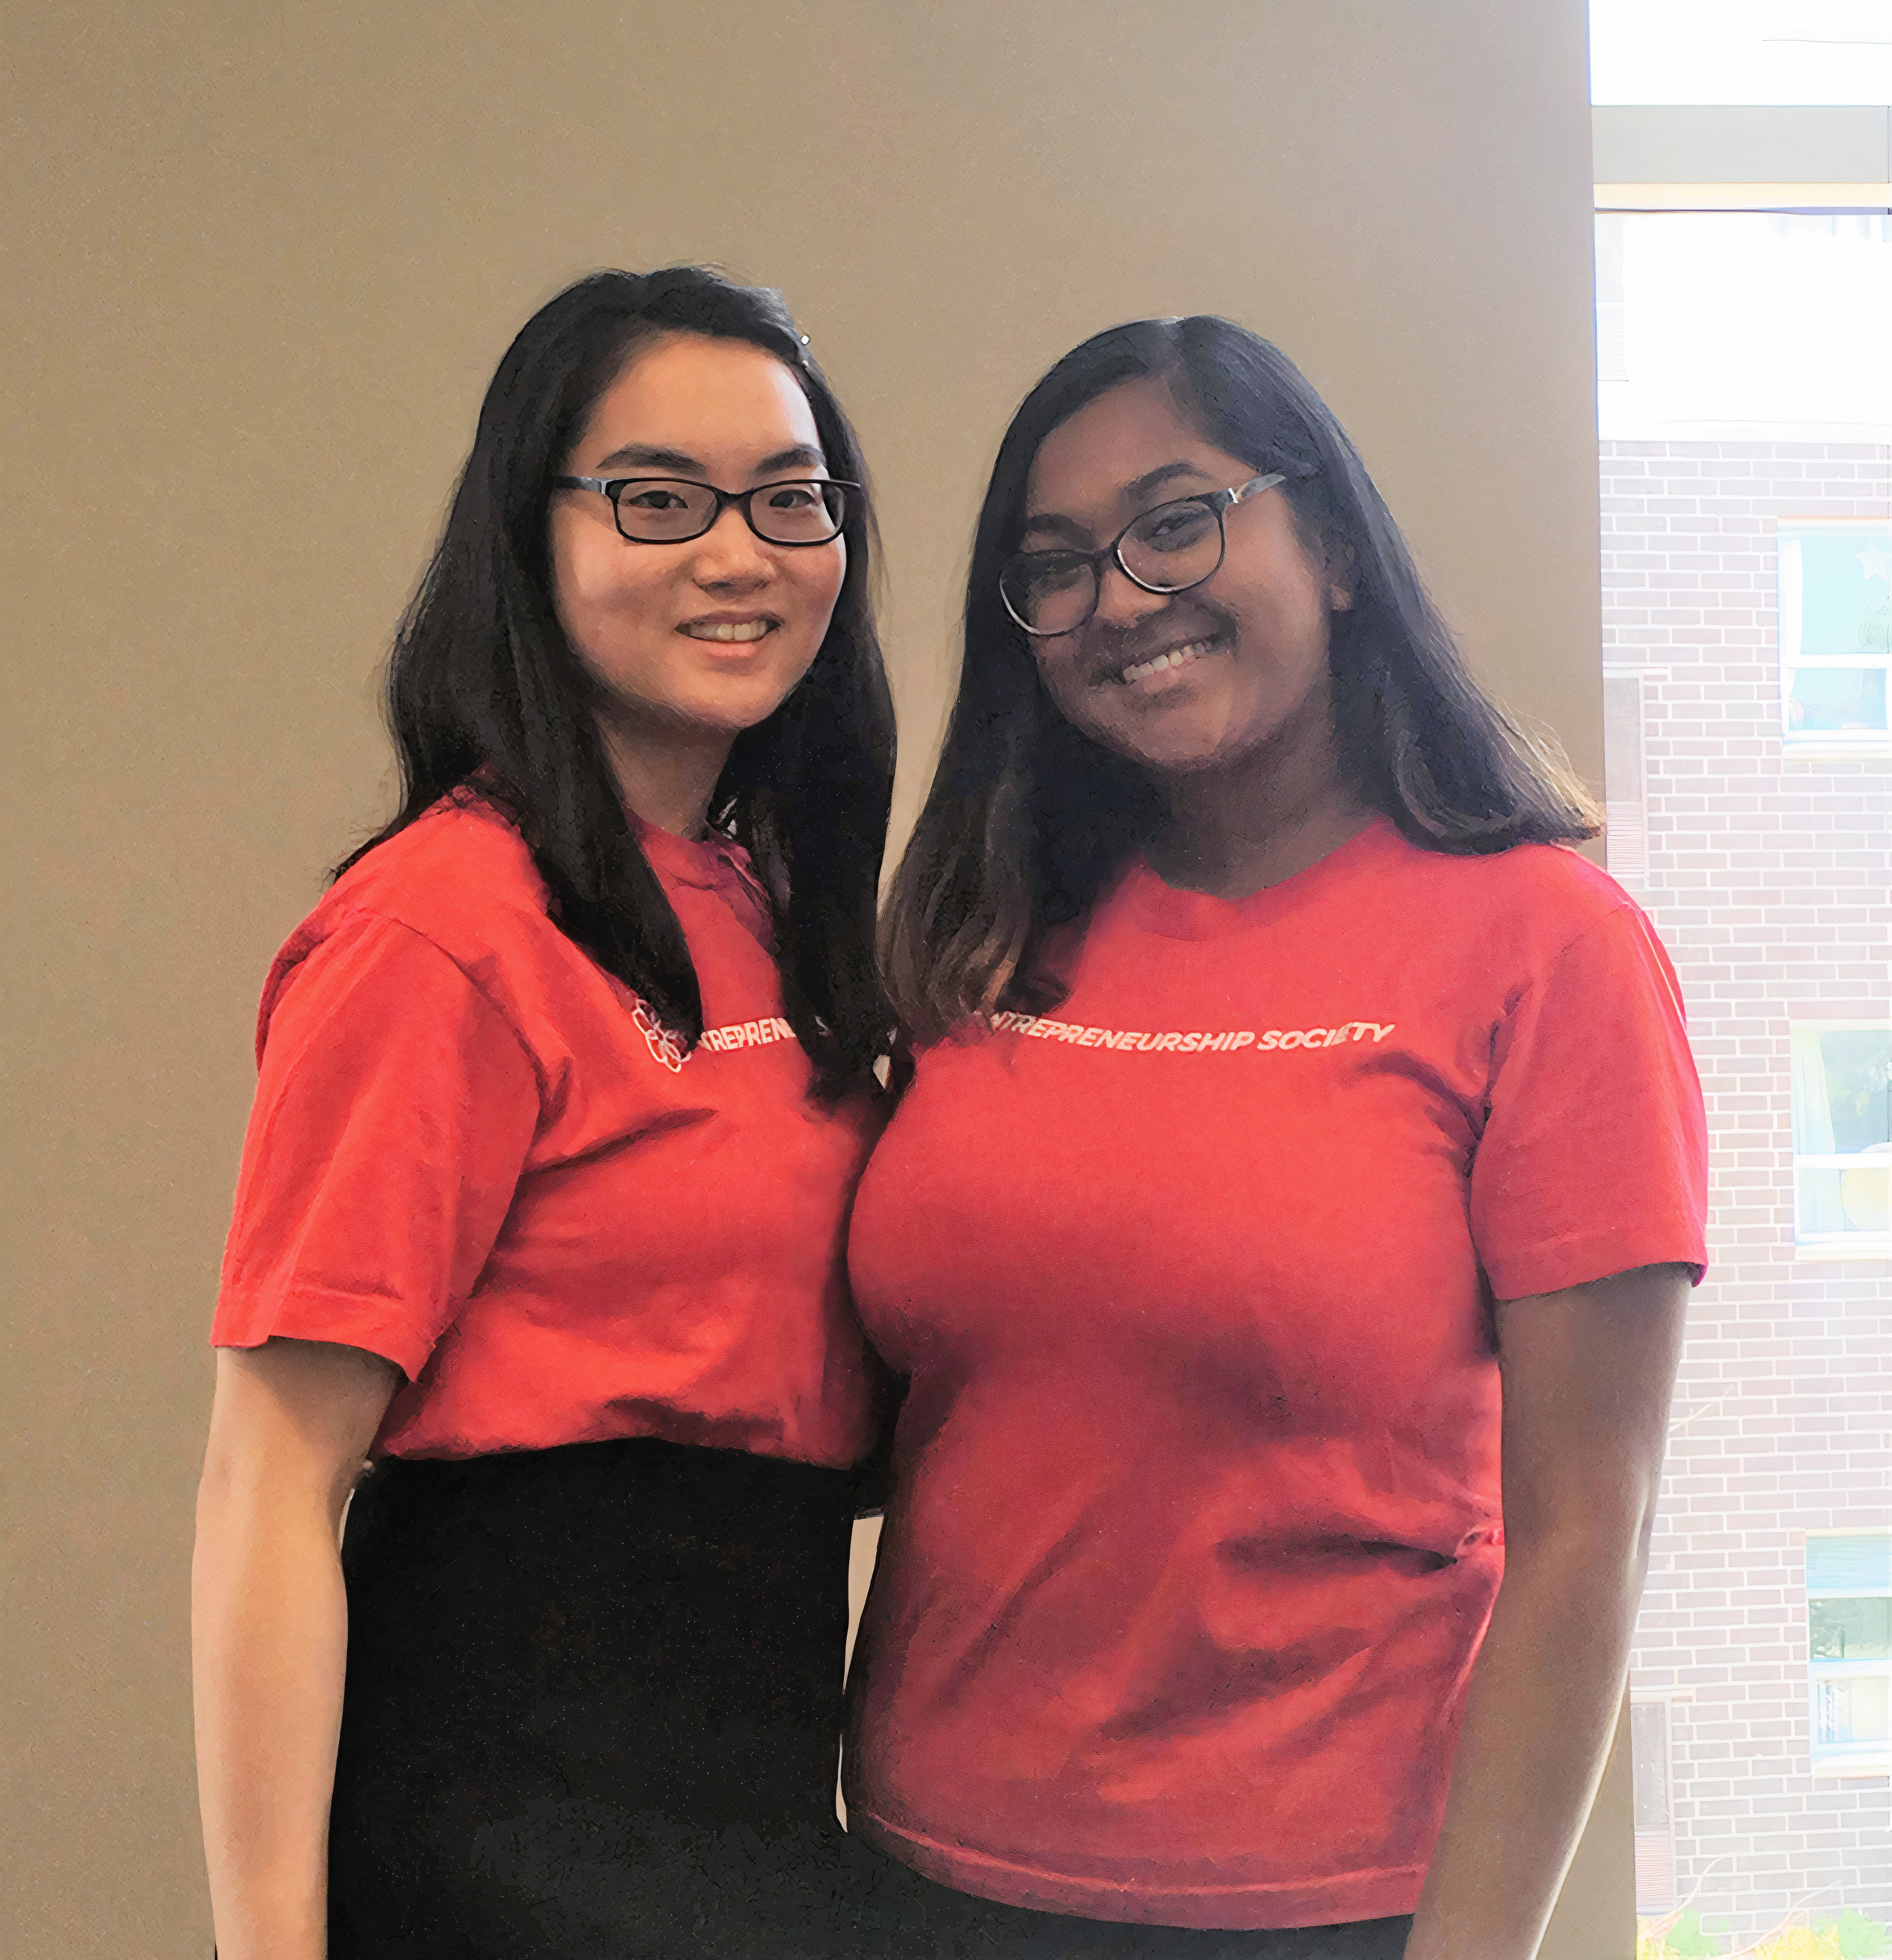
(1842, 1139)
(1654, 1819)
(1835, 631)
(1849, 1642)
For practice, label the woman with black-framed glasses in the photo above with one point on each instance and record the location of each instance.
(1293, 1119)
(563, 1089)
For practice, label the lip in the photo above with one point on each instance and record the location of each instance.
(701, 628)
(1111, 671)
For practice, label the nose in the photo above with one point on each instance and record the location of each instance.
(1122, 602)
(729, 555)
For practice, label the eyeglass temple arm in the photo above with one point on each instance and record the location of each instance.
(1254, 488)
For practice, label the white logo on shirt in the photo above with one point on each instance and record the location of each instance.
(668, 1050)
(1226, 1041)
(747, 1034)
(662, 1043)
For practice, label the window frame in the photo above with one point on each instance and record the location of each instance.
(1818, 742)
(1873, 1758)
(1829, 1245)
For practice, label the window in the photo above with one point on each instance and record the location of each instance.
(1850, 1643)
(1843, 1138)
(1835, 631)
(1653, 1771)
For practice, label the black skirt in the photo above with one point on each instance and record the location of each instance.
(592, 1708)
(905, 1917)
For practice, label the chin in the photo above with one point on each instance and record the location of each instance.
(1180, 751)
(735, 705)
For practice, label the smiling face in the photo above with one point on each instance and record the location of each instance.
(1188, 682)
(692, 642)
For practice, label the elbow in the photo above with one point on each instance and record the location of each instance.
(1603, 1552)
(245, 1487)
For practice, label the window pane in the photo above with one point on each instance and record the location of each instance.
(1857, 1063)
(1848, 1708)
(1849, 1561)
(1844, 1200)
(1649, 1751)
(1845, 589)
(1831, 700)
(1849, 1629)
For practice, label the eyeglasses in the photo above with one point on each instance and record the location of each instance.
(1168, 549)
(671, 510)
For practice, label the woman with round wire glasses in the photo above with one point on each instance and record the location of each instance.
(1285, 1230)
(565, 1086)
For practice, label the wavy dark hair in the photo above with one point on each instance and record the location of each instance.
(1026, 818)
(484, 690)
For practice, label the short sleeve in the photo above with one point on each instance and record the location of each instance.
(395, 1106)
(1593, 1155)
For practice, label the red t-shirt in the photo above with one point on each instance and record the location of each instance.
(474, 1152)
(1196, 1523)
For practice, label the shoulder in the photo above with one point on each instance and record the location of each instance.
(450, 905)
(457, 876)
(1544, 896)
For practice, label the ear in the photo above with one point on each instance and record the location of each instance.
(1339, 598)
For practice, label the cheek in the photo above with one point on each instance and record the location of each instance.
(820, 582)
(594, 587)
(1059, 675)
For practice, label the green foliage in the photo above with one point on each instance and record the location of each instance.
(1800, 1942)
(1859, 1937)
(1690, 1937)
(1851, 1936)
(1683, 1937)
(1875, 628)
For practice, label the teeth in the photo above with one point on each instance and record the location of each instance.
(749, 629)
(1163, 662)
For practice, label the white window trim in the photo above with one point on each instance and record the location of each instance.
(1864, 1761)
(1816, 743)
(1832, 1246)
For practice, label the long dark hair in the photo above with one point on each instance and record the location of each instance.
(1027, 818)
(484, 689)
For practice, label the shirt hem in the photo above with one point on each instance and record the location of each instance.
(1581, 1260)
(1381, 1894)
(306, 1313)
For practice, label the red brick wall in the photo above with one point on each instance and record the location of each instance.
(1770, 879)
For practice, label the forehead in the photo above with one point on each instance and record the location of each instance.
(702, 397)
(1085, 463)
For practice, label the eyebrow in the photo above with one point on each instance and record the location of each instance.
(674, 462)
(1047, 523)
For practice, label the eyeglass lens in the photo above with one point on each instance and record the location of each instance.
(1167, 549)
(664, 512)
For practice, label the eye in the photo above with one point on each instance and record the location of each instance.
(796, 497)
(1173, 526)
(656, 497)
(1052, 571)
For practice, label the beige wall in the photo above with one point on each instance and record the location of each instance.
(260, 261)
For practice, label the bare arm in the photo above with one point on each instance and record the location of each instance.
(289, 1429)
(1587, 1375)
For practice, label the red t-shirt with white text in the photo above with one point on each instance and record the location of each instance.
(475, 1152)
(1197, 1522)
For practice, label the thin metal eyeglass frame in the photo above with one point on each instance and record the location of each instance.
(614, 487)
(1220, 501)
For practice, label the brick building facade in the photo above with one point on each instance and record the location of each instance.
(1768, 872)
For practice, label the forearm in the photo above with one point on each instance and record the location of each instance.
(269, 1636)
(1542, 1704)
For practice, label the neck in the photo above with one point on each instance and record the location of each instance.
(667, 776)
(1251, 823)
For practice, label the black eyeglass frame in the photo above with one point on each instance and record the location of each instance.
(1220, 502)
(614, 488)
